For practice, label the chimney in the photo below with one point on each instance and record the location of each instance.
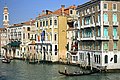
(43, 12)
(62, 7)
(31, 21)
(48, 12)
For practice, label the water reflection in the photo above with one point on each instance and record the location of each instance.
(19, 70)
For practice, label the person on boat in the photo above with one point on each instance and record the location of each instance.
(65, 70)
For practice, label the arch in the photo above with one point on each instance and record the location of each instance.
(105, 17)
(106, 58)
(115, 58)
(114, 17)
(88, 58)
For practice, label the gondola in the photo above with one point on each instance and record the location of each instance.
(33, 62)
(77, 73)
(6, 60)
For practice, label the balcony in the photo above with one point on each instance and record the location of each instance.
(115, 37)
(44, 41)
(88, 38)
(78, 39)
(98, 24)
(103, 38)
(115, 23)
(92, 25)
(88, 25)
(82, 26)
(106, 23)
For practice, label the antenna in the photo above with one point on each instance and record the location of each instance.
(5, 3)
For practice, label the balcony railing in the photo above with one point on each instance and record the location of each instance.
(115, 37)
(78, 39)
(103, 38)
(88, 38)
(106, 23)
(98, 24)
(88, 25)
(115, 23)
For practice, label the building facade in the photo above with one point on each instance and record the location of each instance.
(3, 31)
(99, 34)
(52, 35)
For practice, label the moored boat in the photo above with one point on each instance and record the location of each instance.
(77, 73)
(6, 60)
(33, 62)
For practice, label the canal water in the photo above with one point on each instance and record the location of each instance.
(20, 70)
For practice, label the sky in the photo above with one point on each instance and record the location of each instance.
(24, 10)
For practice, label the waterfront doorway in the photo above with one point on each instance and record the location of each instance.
(88, 59)
(44, 57)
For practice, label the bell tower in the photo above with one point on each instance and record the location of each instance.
(5, 17)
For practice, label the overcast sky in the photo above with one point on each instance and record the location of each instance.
(23, 10)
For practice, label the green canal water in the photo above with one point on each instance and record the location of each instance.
(20, 70)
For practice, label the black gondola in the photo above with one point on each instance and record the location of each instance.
(77, 73)
(33, 62)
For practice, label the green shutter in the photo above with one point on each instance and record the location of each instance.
(105, 46)
(114, 31)
(115, 45)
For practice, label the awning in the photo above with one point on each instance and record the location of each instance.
(15, 44)
(73, 52)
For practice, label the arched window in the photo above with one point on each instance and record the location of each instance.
(5, 17)
(106, 58)
(24, 49)
(50, 21)
(82, 21)
(37, 24)
(55, 37)
(114, 17)
(105, 17)
(55, 22)
(115, 58)
(28, 35)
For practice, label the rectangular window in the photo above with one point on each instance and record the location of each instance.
(43, 23)
(98, 6)
(40, 24)
(114, 31)
(82, 21)
(71, 11)
(99, 32)
(99, 45)
(114, 6)
(55, 37)
(99, 18)
(105, 6)
(115, 45)
(87, 20)
(75, 58)
(55, 49)
(18, 53)
(50, 22)
(37, 24)
(105, 31)
(23, 35)
(46, 23)
(28, 28)
(55, 22)
(105, 46)
(114, 17)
